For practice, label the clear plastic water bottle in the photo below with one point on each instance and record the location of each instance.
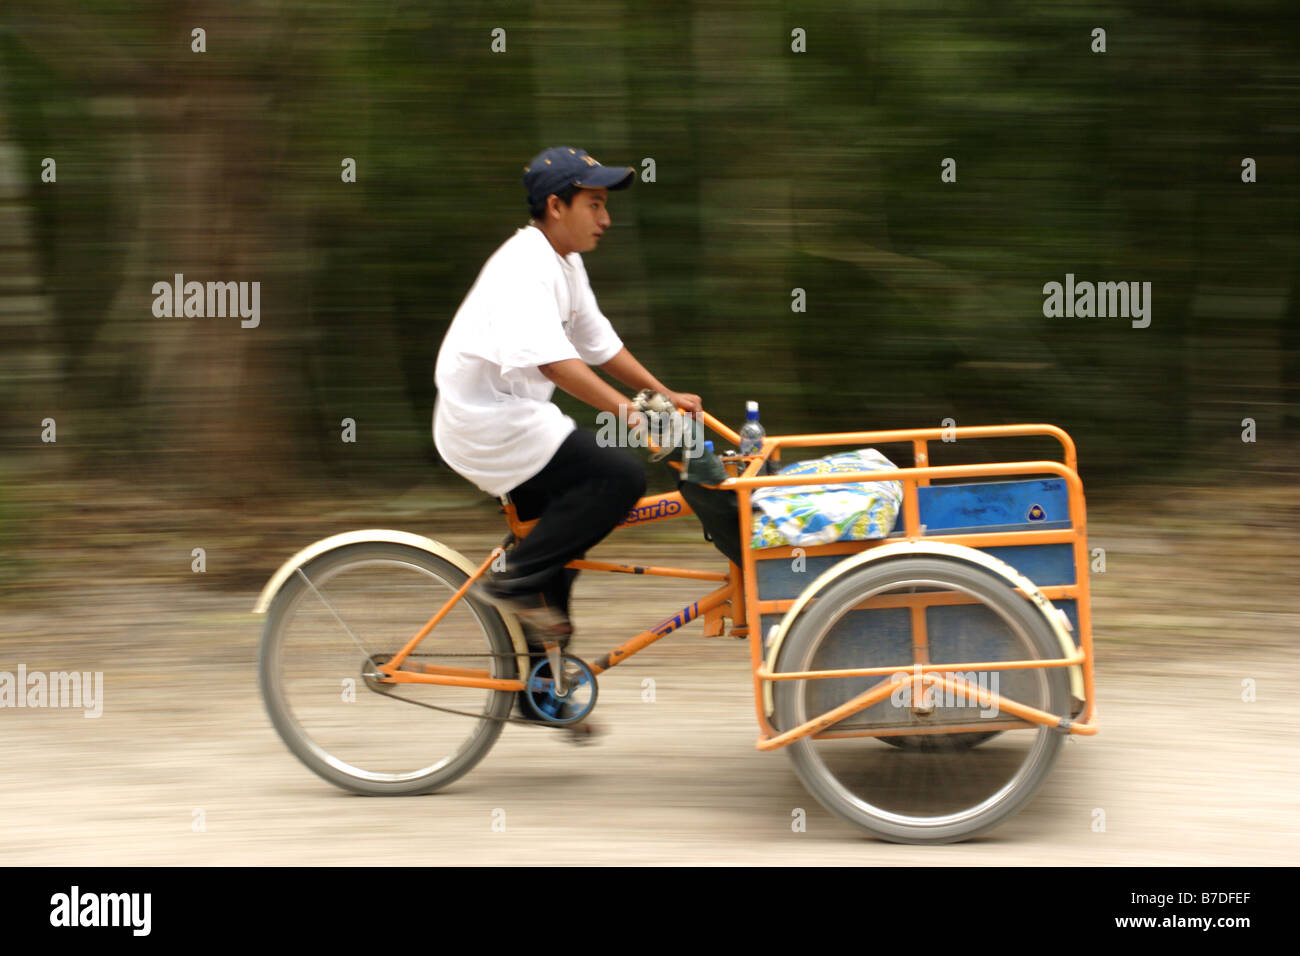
(751, 433)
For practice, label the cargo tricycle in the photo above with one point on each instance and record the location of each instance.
(922, 682)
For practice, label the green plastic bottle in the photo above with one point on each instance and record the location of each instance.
(705, 468)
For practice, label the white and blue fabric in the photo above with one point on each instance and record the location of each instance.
(821, 514)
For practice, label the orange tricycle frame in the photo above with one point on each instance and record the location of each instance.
(736, 596)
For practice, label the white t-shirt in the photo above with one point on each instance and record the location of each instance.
(493, 421)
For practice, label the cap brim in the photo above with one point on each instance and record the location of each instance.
(607, 177)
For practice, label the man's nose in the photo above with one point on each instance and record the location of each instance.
(604, 219)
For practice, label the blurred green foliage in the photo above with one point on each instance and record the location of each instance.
(774, 170)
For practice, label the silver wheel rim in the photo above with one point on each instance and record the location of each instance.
(806, 744)
(286, 709)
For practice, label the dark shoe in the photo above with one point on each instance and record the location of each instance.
(581, 733)
(542, 624)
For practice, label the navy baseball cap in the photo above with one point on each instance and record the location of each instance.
(553, 169)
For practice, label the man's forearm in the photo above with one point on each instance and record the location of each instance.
(574, 377)
(632, 373)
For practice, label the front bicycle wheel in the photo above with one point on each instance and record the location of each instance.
(324, 632)
(938, 787)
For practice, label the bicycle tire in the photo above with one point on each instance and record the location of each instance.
(309, 686)
(870, 786)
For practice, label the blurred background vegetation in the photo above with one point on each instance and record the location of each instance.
(774, 170)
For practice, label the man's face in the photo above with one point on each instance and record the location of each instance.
(581, 222)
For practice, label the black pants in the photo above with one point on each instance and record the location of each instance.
(581, 494)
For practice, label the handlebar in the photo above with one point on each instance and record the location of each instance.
(719, 428)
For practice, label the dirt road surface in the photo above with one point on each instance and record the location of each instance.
(183, 766)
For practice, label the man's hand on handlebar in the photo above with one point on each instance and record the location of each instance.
(636, 421)
(686, 401)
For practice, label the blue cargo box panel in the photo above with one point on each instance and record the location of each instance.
(993, 506)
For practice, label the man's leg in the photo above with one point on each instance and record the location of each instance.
(581, 494)
(530, 504)
(577, 499)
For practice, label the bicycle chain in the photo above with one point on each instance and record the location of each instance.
(485, 654)
(465, 713)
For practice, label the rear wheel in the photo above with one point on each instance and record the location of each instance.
(351, 609)
(927, 787)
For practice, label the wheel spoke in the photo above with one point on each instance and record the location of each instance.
(342, 623)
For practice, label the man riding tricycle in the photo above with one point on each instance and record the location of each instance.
(919, 638)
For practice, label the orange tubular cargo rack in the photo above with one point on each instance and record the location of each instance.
(1056, 549)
